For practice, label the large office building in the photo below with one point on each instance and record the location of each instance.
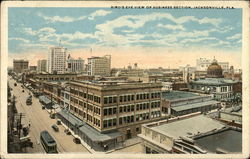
(192, 134)
(57, 60)
(202, 64)
(41, 66)
(106, 113)
(20, 66)
(75, 65)
(99, 66)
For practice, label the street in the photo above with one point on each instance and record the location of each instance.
(39, 120)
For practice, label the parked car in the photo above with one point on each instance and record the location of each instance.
(77, 140)
(58, 122)
(55, 127)
(67, 131)
(43, 106)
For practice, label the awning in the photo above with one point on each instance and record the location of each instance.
(92, 133)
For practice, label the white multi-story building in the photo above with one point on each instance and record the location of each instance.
(41, 66)
(203, 63)
(100, 66)
(57, 60)
(75, 65)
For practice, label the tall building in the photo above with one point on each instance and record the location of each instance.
(99, 66)
(57, 60)
(20, 66)
(41, 66)
(75, 65)
(203, 63)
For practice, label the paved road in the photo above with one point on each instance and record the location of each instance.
(39, 120)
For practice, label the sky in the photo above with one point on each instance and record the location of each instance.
(150, 37)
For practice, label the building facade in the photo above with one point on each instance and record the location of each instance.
(20, 66)
(99, 66)
(75, 65)
(203, 63)
(57, 60)
(41, 66)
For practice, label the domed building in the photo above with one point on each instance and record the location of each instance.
(214, 83)
(214, 70)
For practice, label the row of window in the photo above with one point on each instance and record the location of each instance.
(89, 107)
(128, 98)
(130, 108)
(109, 111)
(109, 123)
(85, 95)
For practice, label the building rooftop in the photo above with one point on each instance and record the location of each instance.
(194, 105)
(172, 95)
(214, 81)
(188, 127)
(229, 140)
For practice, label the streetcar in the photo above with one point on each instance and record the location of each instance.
(49, 144)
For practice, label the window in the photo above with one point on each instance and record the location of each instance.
(114, 99)
(132, 97)
(105, 112)
(110, 100)
(114, 122)
(137, 106)
(132, 107)
(120, 121)
(105, 100)
(120, 109)
(110, 111)
(128, 108)
(121, 98)
(105, 124)
(137, 129)
(110, 122)
(114, 110)
(124, 109)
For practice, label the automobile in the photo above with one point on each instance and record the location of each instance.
(77, 140)
(67, 131)
(43, 107)
(23, 90)
(58, 122)
(52, 116)
(15, 84)
(55, 127)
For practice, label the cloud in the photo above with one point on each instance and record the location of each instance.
(234, 37)
(106, 30)
(172, 27)
(45, 30)
(20, 39)
(99, 13)
(54, 19)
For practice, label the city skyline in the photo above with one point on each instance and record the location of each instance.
(154, 38)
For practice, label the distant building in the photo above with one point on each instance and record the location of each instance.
(187, 73)
(232, 116)
(99, 66)
(214, 83)
(20, 66)
(41, 66)
(57, 60)
(75, 65)
(33, 68)
(203, 63)
(192, 134)
(177, 103)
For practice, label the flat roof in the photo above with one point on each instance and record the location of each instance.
(194, 105)
(172, 95)
(229, 140)
(214, 81)
(192, 126)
